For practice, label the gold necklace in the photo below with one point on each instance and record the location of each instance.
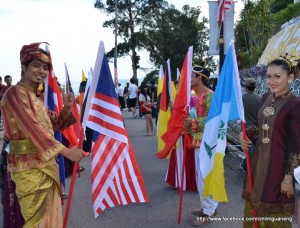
(270, 111)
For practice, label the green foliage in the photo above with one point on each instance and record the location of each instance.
(153, 75)
(129, 19)
(170, 32)
(258, 22)
(278, 5)
(284, 15)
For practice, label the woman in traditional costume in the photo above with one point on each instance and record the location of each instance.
(277, 150)
(29, 128)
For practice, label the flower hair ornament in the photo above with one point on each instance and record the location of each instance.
(292, 60)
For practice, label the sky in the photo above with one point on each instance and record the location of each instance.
(73, 28)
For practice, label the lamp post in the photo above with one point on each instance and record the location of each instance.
(116, 50)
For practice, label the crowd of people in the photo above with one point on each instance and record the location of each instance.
(30, 171)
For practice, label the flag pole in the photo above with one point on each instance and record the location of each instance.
(185, 142)
(116, 44)
(221, 47)
(249, 172)
(75, 170)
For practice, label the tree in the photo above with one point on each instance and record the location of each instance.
(129, 17)
(259, 20)
(254, 28)
(168, 33)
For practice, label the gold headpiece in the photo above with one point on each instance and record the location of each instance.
(292, 60)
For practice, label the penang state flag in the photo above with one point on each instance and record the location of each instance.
(226, 105)
(181, 104)
(116, 177)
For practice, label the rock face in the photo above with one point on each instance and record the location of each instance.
(285, 41)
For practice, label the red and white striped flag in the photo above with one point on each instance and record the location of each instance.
(223, 5)
(116, 177)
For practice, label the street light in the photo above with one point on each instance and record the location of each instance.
(116, 50)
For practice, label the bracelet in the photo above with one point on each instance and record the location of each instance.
(286, 182)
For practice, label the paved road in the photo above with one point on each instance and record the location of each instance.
(162, 209)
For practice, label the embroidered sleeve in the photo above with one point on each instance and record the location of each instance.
(207, 101)
(202, 119)
(293, 147)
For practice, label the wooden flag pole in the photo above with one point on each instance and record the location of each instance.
(249, 172)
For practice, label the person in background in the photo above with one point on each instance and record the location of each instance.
(79, 98)
(1, 95)
(120, 93)
(132, 96)
(154, 108)
(8, 81)
(145, 107)
(251, 102)
(126, 95)
(29, 130)
(1, 87)
(277, 150)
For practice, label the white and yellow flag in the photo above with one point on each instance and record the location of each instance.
(226, 105)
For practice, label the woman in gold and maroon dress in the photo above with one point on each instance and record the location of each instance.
(277, 150)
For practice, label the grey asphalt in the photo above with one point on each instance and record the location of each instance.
(162, 209)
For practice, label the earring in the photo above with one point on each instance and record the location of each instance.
(290, 81)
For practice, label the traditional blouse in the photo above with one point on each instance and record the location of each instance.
(199, 109)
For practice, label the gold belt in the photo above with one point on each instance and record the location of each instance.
(24, 146)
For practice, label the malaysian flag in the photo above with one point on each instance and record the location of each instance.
(223, 5)
(116, 177)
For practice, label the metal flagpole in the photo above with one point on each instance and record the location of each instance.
(116, 50)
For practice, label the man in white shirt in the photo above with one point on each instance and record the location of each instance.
(120, 93)
(132, 96)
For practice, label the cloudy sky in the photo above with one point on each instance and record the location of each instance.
(73, 28)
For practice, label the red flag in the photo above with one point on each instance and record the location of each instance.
(182, 100)
(116, 177)
(224, 5)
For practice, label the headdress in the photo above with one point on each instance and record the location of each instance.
(34, 51)
(292, 61)
(201, 70)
